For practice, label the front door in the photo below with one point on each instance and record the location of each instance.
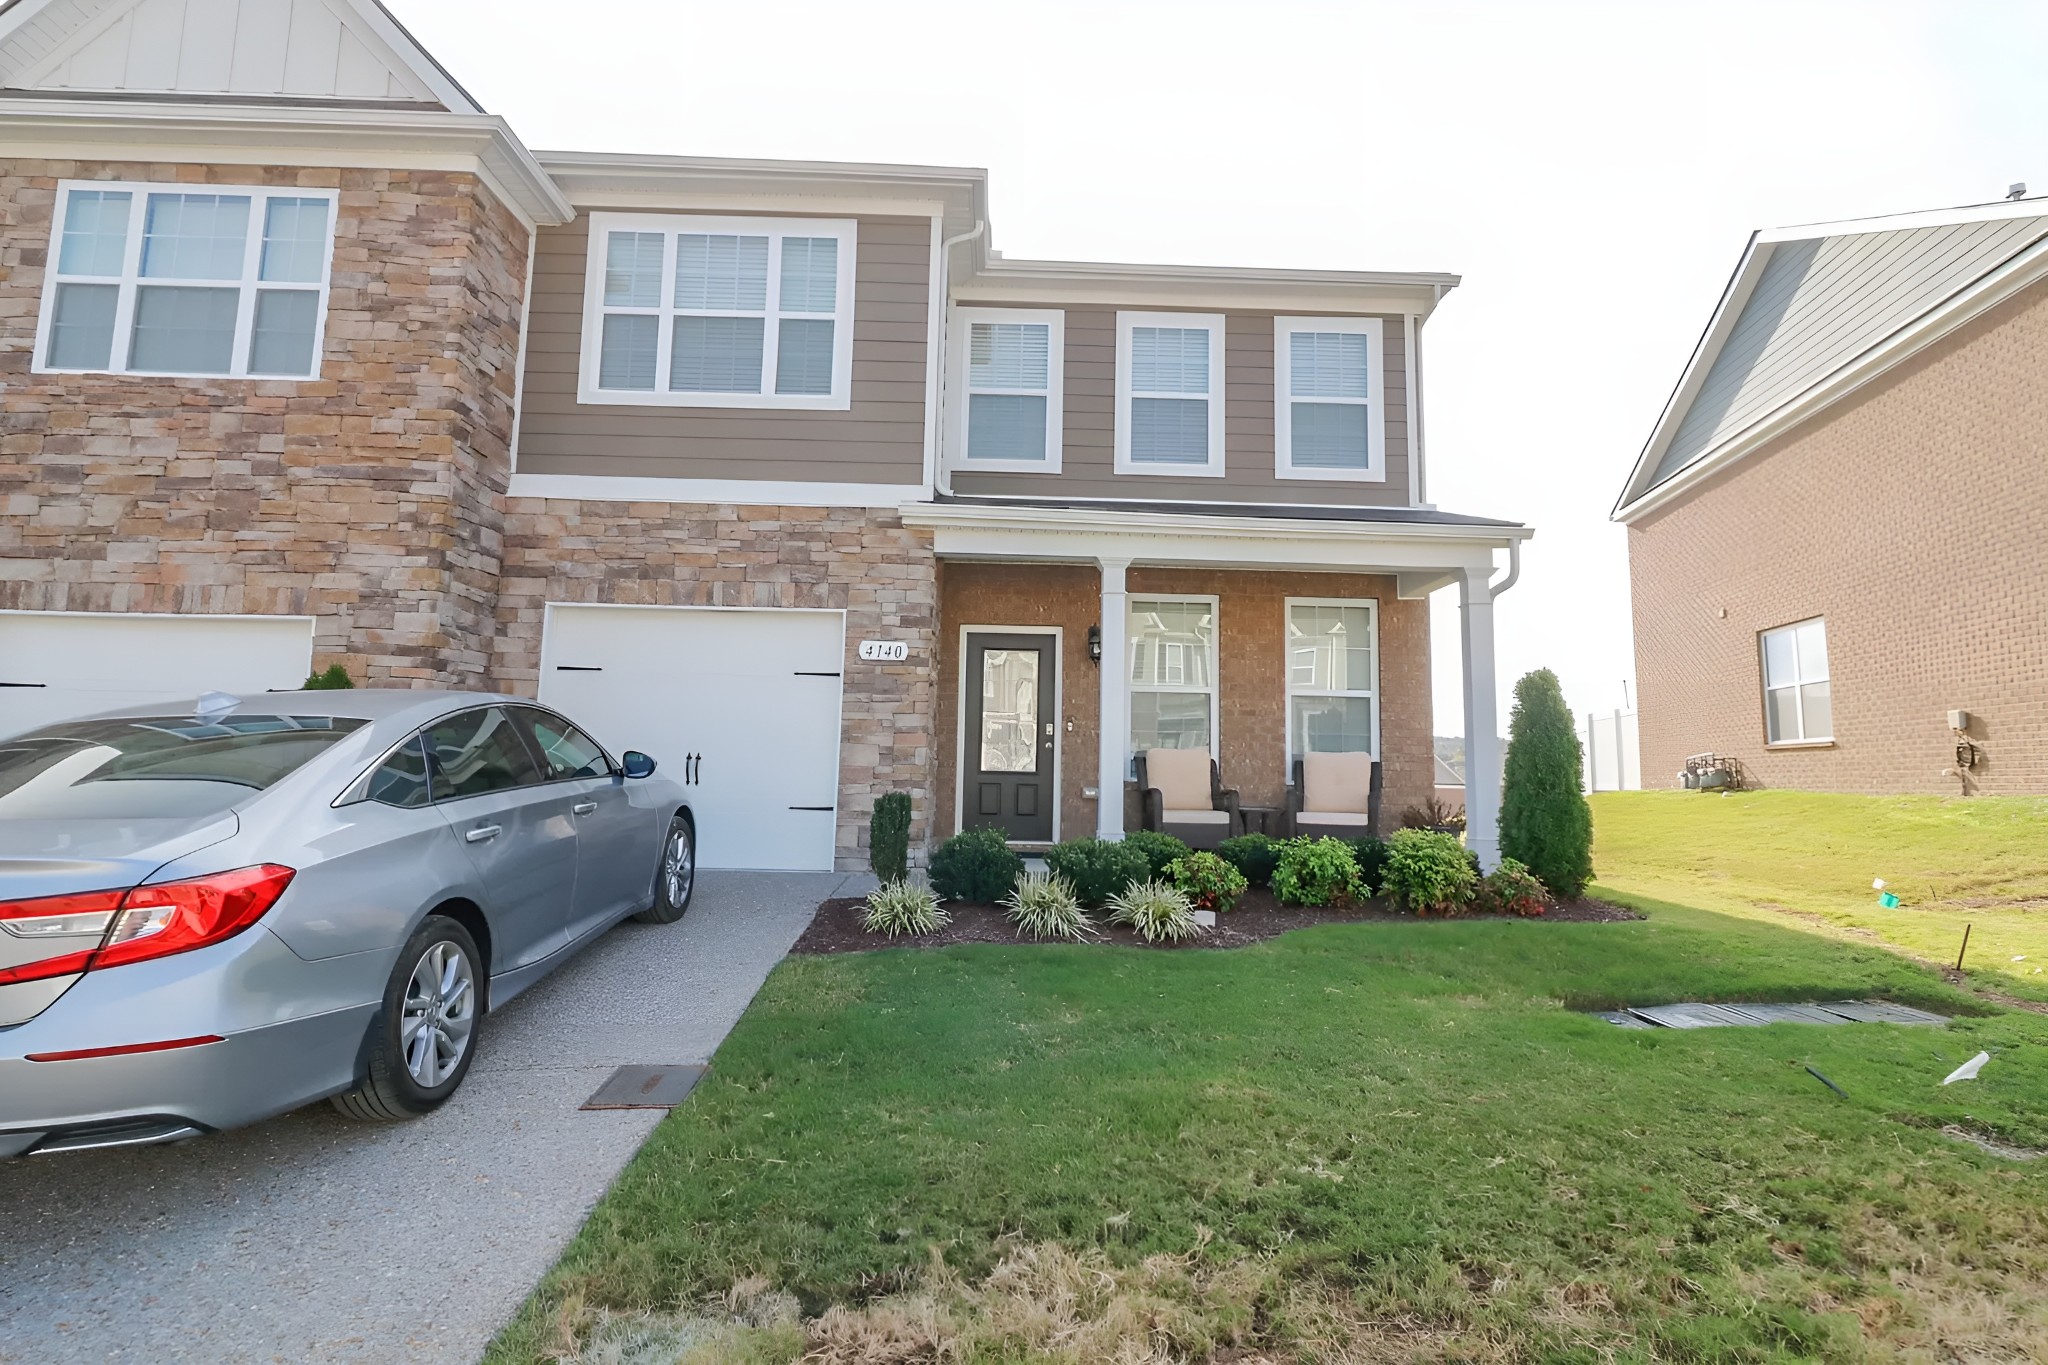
(1010, 735)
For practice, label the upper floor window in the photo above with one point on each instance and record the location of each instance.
(1329, 382)
(1007, 387)
(695, 311)
(1798, 699)
(212, 280)
(1169, 393)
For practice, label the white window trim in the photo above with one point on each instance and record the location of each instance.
(1374, 402)
(131, 278)
(669, 224)
(1055, 393)
(1763, 669)
(1372, 609)
(1214, 323)
(1214, 689)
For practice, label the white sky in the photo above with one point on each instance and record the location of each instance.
(1592, 170)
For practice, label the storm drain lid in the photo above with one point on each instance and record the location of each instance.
(647, 1087)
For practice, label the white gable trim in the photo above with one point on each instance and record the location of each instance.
(1900, 222)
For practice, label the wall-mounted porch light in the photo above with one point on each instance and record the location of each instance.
(1095, 644)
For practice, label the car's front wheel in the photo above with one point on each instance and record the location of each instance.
(426, 1036)
(676, 876)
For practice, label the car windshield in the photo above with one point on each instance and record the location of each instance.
(156, 766)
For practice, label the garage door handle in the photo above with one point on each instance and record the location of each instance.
(584, 807)
(484, 833)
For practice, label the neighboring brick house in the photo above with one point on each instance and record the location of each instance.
(1838, 533)
(306, 359)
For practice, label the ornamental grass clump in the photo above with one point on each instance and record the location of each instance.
(1158, 911)
(1544, 819)
(1429, 873)
(1318, 872)
(904, 908)
(1207, 881)
(1043, 905)
(1512, 889)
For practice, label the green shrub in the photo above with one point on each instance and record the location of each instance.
(1544, 819)
(1255, 855)
(333, 678)
(1317, 872)
(1207, 880)
(902, 908)
(978, 867)
(1097, 868)
(1429, 873)
(1042, 904)
(1511, 889)
(889, 838)
(1370, 854)
(1156, 910)
(1159, 849)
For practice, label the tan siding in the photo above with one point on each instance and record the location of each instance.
(880, 439)
(1090, 413)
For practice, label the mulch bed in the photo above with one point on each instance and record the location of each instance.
(1257, 917)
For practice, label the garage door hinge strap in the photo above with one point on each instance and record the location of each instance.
(9, 684)
(578, 668)
(810, 808)
(801, 673)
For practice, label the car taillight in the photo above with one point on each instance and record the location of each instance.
(144, 922)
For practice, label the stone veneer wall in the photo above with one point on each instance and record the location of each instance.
(368, 498)
(864, 562)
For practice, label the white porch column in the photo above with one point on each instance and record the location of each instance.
(1116, 720)
(1482, 721)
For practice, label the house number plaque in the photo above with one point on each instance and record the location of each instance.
(884, 651)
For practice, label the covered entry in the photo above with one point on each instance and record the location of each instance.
(1009, 686)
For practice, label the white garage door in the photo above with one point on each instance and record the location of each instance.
(754, 695)
(57, 665)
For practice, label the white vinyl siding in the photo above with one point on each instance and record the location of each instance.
(215, 280)
(693, 311)
(1332, 677)
(1172, 673)
(1329, 409)
(1798, 697)
(1169, 393)
(1007, 388)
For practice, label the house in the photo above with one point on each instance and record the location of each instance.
(778, 471)
(1836, 531)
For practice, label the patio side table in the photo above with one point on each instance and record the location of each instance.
(1267, 820)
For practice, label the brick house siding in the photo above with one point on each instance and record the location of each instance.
(1913, 516)
(369, 498)
(1251, 674)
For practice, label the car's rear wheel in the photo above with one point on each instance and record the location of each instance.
(676, 877)
(426, 1036)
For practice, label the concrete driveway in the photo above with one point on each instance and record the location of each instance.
(311, 1238)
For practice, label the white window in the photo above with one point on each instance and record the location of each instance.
(1329, 381)
(1798, 703)
(1333, 704)
(218, 280)
(1173, 673)
(705, 312)
(1007, 388)
(1169, 393)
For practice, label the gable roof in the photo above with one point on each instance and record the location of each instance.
(1814, 312)
(319, 52)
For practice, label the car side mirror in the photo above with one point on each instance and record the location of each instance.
(636, 764)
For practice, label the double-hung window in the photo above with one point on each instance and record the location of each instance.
(1007, 388)
(1173, 673)
(1798, 699)
(212, 280)
(1169, 393)
(1328, 399)
(1332, 677)
(692, 311)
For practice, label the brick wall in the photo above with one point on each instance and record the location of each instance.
(1914, 517)
(866, 563)
(367, 498)
(1252, 679)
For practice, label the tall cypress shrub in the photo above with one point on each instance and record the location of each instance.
(1544, 819)
(889, 838)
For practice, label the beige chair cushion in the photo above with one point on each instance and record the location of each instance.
(1181, 776)
(1336, 782)
(1357, 819)
(1197, 817)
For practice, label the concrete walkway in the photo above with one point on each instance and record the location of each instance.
(311, 1238)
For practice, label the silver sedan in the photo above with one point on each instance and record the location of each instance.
(212, 915)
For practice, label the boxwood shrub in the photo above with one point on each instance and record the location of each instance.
(1098, 869)
(1160, 850)
(1370, 854)
(1255, 855)
(978, 867)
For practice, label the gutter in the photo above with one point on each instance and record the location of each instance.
(941, 476)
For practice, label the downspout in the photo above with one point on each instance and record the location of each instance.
(1494, 590)
(943, 474)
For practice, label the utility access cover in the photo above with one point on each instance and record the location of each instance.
(647, 1087)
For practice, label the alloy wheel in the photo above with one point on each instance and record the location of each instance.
(679, 865)
(439, 1014)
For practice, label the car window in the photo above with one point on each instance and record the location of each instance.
(402, 779)
(477, 752)
(156, 766)
(565, 751)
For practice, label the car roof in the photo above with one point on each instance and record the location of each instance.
(399, 704)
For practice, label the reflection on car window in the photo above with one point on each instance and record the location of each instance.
(402, 780)
(156, 766)
(478, 752)
(564, 750)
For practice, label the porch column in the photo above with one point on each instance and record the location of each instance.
(1116, 721)
(1482, 722)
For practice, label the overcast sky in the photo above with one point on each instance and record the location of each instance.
(1592, 170)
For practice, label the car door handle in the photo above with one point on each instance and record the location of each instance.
(584, 807)
(484, 833)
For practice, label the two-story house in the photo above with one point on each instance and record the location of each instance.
(775, 470)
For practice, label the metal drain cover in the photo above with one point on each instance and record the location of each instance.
(647, 1087)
